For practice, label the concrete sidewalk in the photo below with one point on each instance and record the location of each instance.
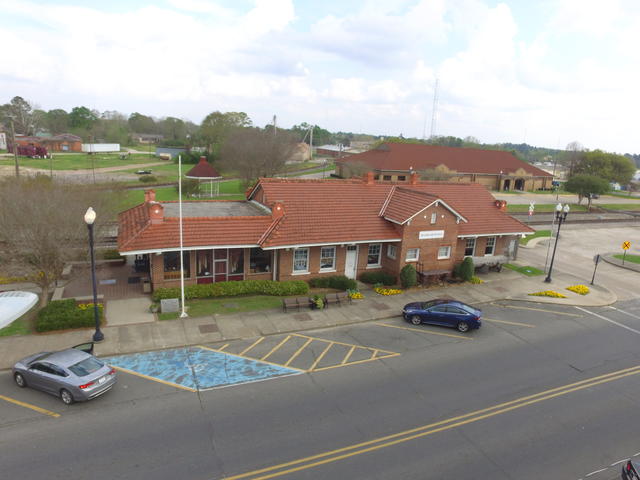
(124, 337)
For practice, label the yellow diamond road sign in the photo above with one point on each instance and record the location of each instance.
(626, 245)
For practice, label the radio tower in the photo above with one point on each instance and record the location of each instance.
(434, 111)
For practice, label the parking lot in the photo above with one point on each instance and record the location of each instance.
(207, 367)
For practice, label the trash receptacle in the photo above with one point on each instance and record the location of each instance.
(146, 285)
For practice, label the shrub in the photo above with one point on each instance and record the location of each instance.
(339, 282)
(111, 254)
(235, 288)
(467, 269)
(63, 314)
(378, 277)
(456, 270)
(148, 179)
(408, 276)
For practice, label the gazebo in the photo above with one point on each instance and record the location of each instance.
(205, 171)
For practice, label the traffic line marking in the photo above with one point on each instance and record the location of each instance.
(517, 324)
(275, 349)
(239, 355)
(252, 345)
(536, 310)
(321, 356)
(159, 380)
(348, 355)
(30, 406)
(622, 311)
(298, 352)
(430, 429)
(422, 331)
(609, 320)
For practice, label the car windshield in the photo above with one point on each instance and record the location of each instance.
(86, 366)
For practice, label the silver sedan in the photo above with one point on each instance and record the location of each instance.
(74, 374)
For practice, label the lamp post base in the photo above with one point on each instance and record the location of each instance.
(547, 280)
(98, 336)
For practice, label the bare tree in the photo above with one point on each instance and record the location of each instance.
(354, 169)
(574, 155)
(42, 225)
(257, 153)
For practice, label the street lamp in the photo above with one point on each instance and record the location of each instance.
(89, 218)
(561, 215)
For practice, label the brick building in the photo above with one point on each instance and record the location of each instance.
(495, 169)
(299, 229)
(64, 142)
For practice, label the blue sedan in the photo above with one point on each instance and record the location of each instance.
(445, 312)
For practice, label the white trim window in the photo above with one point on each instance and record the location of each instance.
(328, 259)
(434, 217)
(301, 260)
(392, 251)
(373, 255)
(444, 252)
(469, 247)
(490, 247)
(413, 254)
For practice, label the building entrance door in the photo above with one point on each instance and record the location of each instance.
(351, 261)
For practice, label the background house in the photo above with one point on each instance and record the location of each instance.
(64, 142)
(495, 169)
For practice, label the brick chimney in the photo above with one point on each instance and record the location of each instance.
(413, 178)
(501, 205)
(369, 178)
(156, 212)
(149, 196)
(278, 210)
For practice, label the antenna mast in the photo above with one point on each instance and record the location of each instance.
(434, 110)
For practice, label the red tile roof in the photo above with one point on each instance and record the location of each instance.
(321, 212)
(408, 156)
(203, 170)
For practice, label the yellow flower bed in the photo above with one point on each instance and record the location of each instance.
(355, 295)
(7, 280)
(476, 280)
(548, 293)
(579, 289)
(387, 291)
(87, 306)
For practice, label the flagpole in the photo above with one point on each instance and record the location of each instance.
(183, 314)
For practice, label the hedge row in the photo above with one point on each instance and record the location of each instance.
(63, 314)
(339, 282)
(234, 288)
(378, 277)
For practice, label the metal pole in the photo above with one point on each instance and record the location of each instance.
(183, 313)
(15, 149)
(597, 260)
(97, 336)
(546, 259)
(553, 256)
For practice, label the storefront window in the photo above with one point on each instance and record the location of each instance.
(204, 261)
(260, 261)
(172, 265)
(236, 261)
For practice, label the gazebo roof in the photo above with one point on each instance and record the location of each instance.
(203, 170)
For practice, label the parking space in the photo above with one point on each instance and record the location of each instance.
(18, 408)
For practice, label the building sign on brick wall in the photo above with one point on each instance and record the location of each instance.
(431, 234)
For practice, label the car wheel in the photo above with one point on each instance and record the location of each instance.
(66, 397)
(463, 327)
(20, 381)
(416, 320)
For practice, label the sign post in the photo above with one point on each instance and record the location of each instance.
(596, 260)
(532, 207)
(625, 246)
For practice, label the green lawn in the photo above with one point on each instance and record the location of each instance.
(131, 198)
(621, 206)
(204, 307)
(629, 258)
(18, 327)
(542, 208)
(526, 270)
(539, 233)
(80, 161)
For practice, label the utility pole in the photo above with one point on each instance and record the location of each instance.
(15, 149)
(434, 110)
(311, 142)
(275, 128)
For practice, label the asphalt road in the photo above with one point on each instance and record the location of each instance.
(534, 398)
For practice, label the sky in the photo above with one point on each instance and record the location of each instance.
(544, 72)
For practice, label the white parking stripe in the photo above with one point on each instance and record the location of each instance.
(597, 471)
(609, 320)
(626, 313)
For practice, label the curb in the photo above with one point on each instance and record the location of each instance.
(609, 258)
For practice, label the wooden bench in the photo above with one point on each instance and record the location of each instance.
(296, 303)
(337, 298)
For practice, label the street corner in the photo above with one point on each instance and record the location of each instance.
(197, 368)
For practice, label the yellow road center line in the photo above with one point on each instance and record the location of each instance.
(251, 359)
(537, 310)
(30, 406)
(509, 323)
(422, 331)
(324, 352)
(252, 345)
(274, 349)
(298, 352)
(348, 355)
(142, 375)
(427, 429)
